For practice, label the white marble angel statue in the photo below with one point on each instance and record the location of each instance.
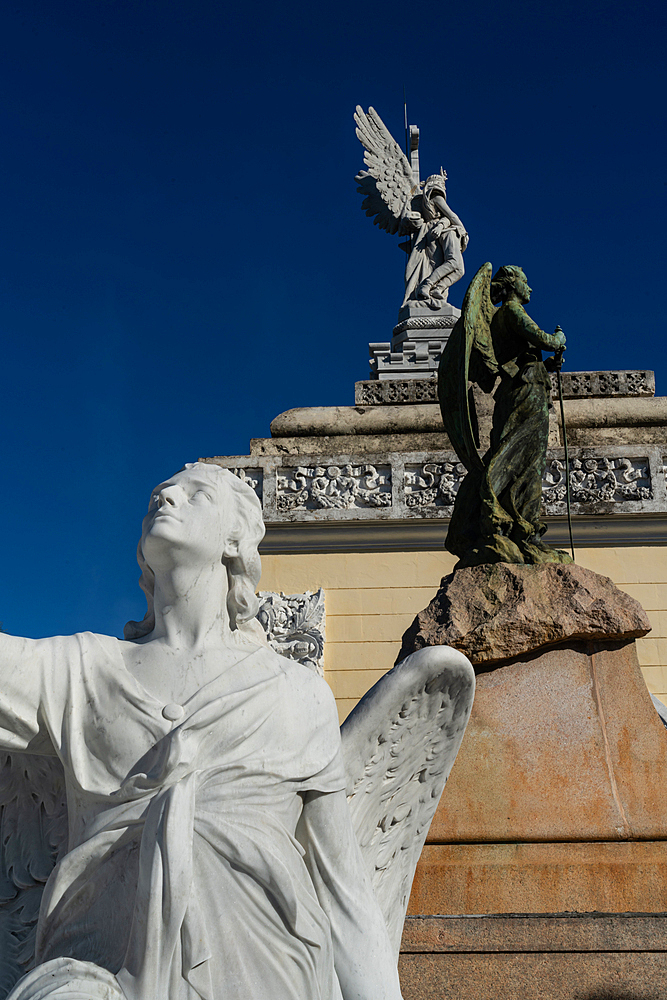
(402, 204)
(175, 824)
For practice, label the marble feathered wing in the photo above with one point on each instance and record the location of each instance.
(399, 745)
(387, 184)
(33, 833)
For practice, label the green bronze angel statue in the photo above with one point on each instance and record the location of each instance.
(496, 515)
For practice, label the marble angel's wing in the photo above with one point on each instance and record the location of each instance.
(468, 356)
(388, 185)
(33, 833)
(399, 745)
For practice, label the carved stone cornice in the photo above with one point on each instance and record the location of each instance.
(623, 487)
(428, 535)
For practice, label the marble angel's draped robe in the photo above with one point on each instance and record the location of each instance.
(184, 878)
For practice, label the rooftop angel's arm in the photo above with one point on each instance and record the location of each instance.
(530, 331)
(448, 213)
(364, 959)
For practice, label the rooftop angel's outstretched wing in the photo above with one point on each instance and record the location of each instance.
(468, 356)
(399, 745)
(33, 833)
(388, 184)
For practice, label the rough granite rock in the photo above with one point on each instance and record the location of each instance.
(498, 611)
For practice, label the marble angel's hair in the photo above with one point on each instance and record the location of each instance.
(502, 283)
(243, 570)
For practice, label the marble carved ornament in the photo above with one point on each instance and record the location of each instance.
(402, 204)
(180, 818)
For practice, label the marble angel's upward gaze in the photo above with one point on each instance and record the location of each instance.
(178, 806)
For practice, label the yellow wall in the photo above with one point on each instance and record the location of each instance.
(371, 598)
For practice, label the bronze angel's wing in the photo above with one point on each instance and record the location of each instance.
(399, 745)
(468, 356)
(33, 833)
(388, 184)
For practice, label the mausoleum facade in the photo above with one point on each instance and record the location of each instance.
(357, 498)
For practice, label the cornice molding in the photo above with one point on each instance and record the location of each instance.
(428, 534)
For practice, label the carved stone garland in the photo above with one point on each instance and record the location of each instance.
(334, 488)
(295, 626)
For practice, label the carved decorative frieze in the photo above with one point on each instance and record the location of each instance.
(640, 383)
(333, 487)
(254, 478)
(433, 484)
(425, 323)
(610, 479)
(295, 626)
(578, 385)
(409, 390)
(592, 481)
(598, 480)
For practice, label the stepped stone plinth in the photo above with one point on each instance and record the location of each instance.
(555, 805)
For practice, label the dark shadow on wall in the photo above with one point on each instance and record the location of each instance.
(621, 994)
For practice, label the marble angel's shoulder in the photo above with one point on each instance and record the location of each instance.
(309, 731)
(54, 650)
(307, 692)
(87, 658)
(85, 650)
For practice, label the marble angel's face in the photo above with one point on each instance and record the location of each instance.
(191, 513)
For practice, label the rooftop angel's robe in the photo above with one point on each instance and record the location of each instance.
(184, 877)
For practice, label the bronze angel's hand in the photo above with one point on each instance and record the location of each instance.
(556, 363)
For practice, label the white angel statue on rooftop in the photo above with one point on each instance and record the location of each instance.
(402, 204)
(178, 800)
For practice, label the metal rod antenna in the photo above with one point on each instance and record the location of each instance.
(407, 144)
(405, 120)
(559, 363)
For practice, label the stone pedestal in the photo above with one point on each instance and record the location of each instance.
(417, 343)
(556, 801)
(418, 322)
(563, 956)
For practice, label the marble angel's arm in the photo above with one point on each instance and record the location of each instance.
(530, 331)
(449, 214)
(23, 680)
(364, 959)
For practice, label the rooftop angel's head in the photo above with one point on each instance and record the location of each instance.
(205, 515)
(434, 198)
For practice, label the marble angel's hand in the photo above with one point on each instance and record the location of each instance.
(413, 219)
(424, 290)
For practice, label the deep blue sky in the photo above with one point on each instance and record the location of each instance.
(184, 255)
